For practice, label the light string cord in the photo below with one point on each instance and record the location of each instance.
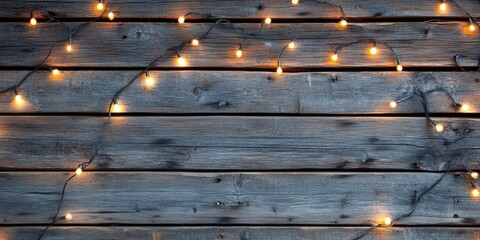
(470, 17)
(457, 58)
(114, 100)
(72, 31)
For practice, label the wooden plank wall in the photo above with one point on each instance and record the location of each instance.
(226, 148)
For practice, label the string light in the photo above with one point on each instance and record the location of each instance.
(149, 81)
(111, 15)
(439, 128)
(387, 221)
(116, 107)
(55, 72)
(295, 2)
(475, 192)
(267, 21)
(100, 5)
(465, 107)
(343, 23)
(393, 104)
(79, 171)
(18, 98)
(195, 42)
(33, 21)
(335, 57)
(279, 69)
(68, 216)
(292, 44)
(442, 6)
(399, 68)
(181, 61)
(69, 47)
(181, 19)
(474, 175)
(373, 50)
(238, 53)
(472, 27)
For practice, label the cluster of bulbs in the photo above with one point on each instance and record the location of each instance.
(443, 8)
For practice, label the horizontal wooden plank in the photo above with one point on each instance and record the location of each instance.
(236, 142)
(133, 44)
(237, 198)
(239, 92)
(244, 233)
(241, 9)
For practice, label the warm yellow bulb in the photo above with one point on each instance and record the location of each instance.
(472, 27)
(393, 104)
(78, 171)
(195, 42)
(68, 216)
(111, 15)
(474, 175)
(373, 50)
(335, 57)
(343, 23)
(100, 6)
(267, 20)
(55, 72)
(279, 70)
(33, 21)
(18, 99)
(149, 81)
(291, 44)
(295, 2)
(439, 128)
(443, 7)
(399, 68)
(116, 107)
(475, 192)
(387, 221)
(181, 19)
(239, 53)
(465, 107)
(182, 61)
(69, 48)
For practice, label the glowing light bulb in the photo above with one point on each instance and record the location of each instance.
(295, 2)
(18, 99)
(291, 44)
(443, 7)
(195, 42)
(373, 50)
(472, 27)
(475, 192)
(69, 48)
(55, 72)
(239, 53)
(149, 81)
(399, 68)
(267, 20)
(439, 128)
(182, 61)
(181, 19)
(474, 175)
(68, 216)
(393, 104)
(279, 70)
(335, 57)
(100, 6)
(111, 15)
(78, 171)
(33, 21)
(465, 107)
(387, 221)
(116, 107)
(343, 23)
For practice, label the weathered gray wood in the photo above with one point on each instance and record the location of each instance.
(244, 233)
(239, 92)
(134, 44)
(234, 142)
(240, 8)
(237, 198)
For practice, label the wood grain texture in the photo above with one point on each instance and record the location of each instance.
(240, 92)
(243, 233)
(235, 142)
(237, 198)
(240, 9)
(132, 44)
